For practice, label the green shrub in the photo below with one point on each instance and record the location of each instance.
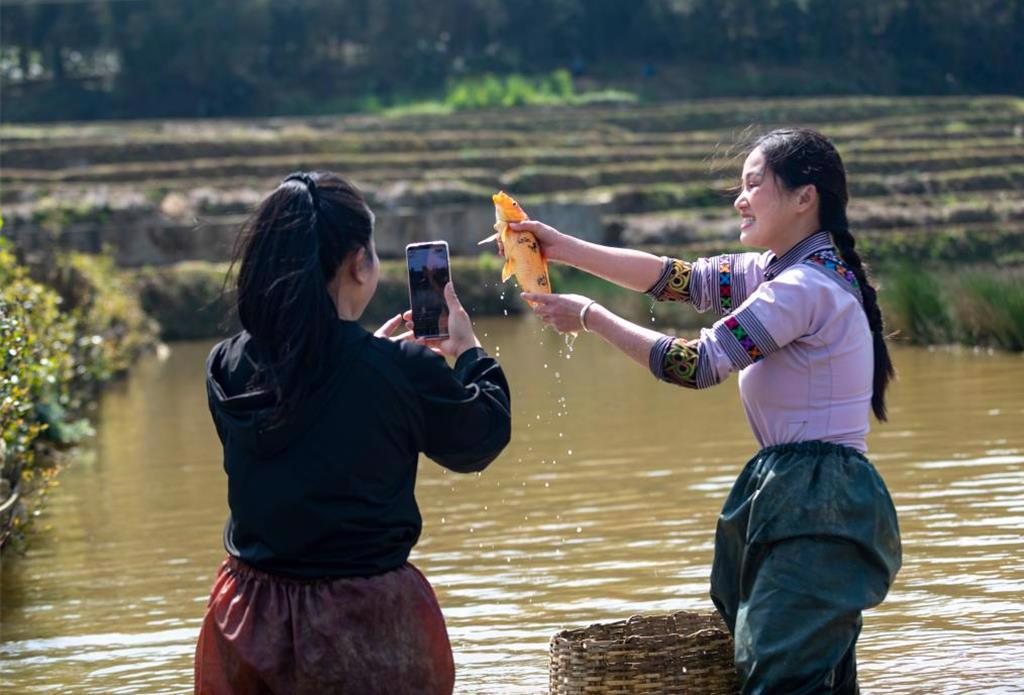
(37, 361)
(981, 306)
(914, 304)
(113, 329)
(491, 91)
(989, 309)
(57, 345)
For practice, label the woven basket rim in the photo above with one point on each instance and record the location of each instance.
(560, 639)
(577, 635)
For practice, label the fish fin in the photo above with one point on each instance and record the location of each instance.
(493, 237)
(507, 270)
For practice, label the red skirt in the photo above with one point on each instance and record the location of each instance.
(269, 635)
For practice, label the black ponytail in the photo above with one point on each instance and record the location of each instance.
(803, 157)
(287, 253)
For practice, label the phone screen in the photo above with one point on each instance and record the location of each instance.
(428, 274)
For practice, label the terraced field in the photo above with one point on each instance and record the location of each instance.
(922, 171)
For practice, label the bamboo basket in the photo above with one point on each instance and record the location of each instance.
(683, 652)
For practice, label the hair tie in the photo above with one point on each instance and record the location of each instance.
(310, 184)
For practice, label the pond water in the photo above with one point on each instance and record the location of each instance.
(603, 506)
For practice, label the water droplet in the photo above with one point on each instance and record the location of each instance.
(442, 520)
(558, 375)
(570, 452)
(579, 529)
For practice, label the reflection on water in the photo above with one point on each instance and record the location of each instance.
(603, 506)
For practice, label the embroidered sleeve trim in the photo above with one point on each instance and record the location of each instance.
(657, 357)
(744, 339)
(682, 362)
(674, 283)
(725, 283)
(714, 284)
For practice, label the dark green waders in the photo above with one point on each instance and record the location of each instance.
(806, 541)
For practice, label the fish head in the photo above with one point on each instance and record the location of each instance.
(506, 209)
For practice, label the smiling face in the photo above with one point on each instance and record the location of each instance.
(771, 215)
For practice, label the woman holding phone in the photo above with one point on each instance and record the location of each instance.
(322, 424)
(808, 537)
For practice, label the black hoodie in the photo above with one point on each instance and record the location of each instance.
(331, 492)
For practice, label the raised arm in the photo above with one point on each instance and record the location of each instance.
(634, 270)
(717, 283)
(467, 419)
(466, 411)
(775, 315)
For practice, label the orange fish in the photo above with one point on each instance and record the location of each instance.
(523, 257)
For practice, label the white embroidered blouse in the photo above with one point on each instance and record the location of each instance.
(795, 329)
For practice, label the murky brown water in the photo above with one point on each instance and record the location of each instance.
(603, 506)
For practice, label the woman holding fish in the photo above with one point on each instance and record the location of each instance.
(322, 424)
(808, 536)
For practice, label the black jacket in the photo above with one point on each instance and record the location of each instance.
(331, 493)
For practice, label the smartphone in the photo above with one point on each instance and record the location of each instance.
(429, 272)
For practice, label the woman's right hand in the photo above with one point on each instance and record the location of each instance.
(460, 328)
(553, 243)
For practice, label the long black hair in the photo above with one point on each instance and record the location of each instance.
(287, 252)
(801, 157)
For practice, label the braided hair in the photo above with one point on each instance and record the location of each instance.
(287, 253)
(801, 157)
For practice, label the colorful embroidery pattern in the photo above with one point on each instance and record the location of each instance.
(828, 259)
(680, 364)
(725, 283)
(677, 287)
(744, 339)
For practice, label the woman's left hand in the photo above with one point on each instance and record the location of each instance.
(391, 324)
(559, 310)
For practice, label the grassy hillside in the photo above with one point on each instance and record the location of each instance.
(934, 180)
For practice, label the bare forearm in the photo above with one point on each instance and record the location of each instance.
(634, 270)
(633, 340)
